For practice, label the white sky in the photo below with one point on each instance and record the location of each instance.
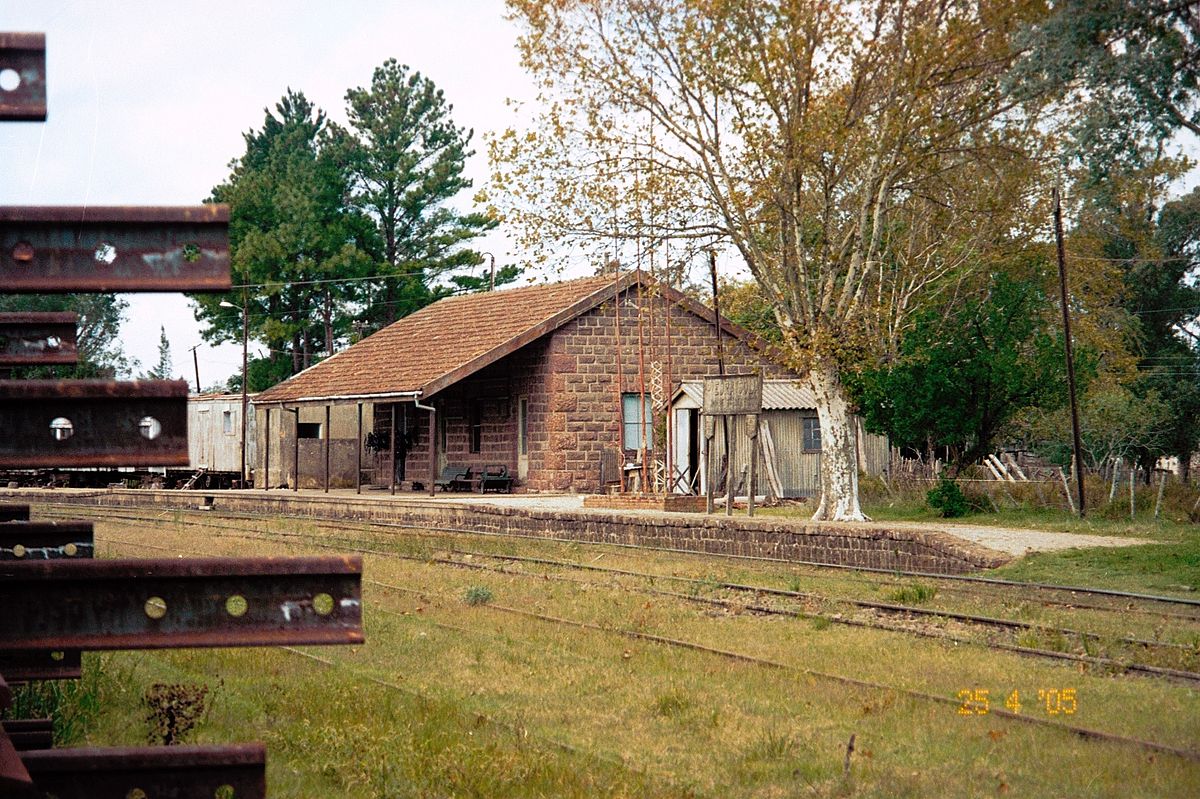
(148, 102)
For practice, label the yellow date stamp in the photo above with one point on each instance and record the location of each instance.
(1050, 701)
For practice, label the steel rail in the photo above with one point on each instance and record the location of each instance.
(1083, 732)
(756, 589)
(100, 509)
(1118, 665)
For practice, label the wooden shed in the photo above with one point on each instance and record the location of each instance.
(790, 419)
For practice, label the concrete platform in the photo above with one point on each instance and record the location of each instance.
(888, 545)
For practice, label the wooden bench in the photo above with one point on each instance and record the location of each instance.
(468, 480)
(450, 477)
(495, 478)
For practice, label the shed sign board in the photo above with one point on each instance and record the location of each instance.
(733, 394)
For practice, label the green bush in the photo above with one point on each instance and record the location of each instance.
(947, 498)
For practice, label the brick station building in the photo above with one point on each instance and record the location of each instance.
(528, 378)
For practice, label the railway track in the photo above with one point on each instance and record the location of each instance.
(976, 630)
(1085, 733)
(1079, 597)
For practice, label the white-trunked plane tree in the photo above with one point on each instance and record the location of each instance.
(857, 156)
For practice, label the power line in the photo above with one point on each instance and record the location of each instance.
(1166, 259)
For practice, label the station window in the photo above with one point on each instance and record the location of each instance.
(812, 434)
(309, 430)
(632, 414)
(227, 422)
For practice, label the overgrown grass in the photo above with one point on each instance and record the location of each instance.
(448, 699)
(914, 594)
(1169, 568)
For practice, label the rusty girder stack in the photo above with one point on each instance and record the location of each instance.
(55, 600)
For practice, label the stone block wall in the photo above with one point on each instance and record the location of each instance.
(876, 546)
(569, 379)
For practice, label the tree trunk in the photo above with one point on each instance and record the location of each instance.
(839, 467)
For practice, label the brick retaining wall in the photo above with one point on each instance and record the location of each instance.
(873, 545)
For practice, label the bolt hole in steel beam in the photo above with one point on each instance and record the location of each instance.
(181, 772)
(61, 428)
(72, 423)
(158, 603)
(22, 77)
(57, 249)
(149, 427)
(37, 338)
(105, 253)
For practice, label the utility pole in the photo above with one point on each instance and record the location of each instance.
(196, 363)
(1077, 442)
(712, 268)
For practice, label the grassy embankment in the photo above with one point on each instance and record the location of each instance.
(1171, 565)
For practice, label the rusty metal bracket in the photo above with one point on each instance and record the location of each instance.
(22, 77)
(10, 512)
(180, 772)
(42, 664)
(27, 734)
(103, 249)
(37, 338)
(46, 540)
(157, 603)
(93, 423)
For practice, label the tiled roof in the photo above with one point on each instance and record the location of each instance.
(444, 342)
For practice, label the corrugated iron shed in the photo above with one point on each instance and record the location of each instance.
(778, 395)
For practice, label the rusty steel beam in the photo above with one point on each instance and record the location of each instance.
(15, 781)
(70, 423)
(31, 741)
(157, 603)
(27, 734)
(46, 540)
(180, 772)
(23, 63)
(37, 339)
(53, 249)
(10, 512)
(41, 664)
(26, 725)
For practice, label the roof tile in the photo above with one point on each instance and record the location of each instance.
(415, 352)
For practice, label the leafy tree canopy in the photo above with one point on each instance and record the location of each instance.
(959, 378)
(405, 161)
(336, 231)
(1127, 71)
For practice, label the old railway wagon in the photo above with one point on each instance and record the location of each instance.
(215, 440)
